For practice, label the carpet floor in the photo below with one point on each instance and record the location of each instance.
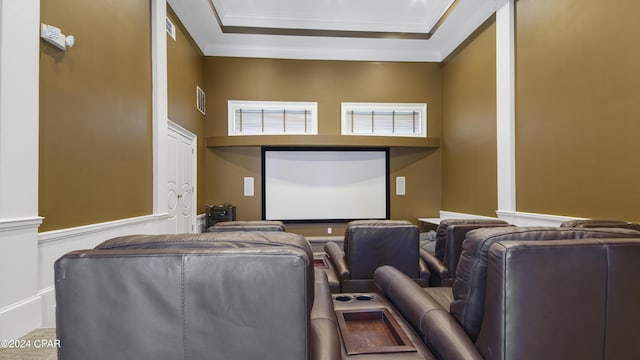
(40, 344)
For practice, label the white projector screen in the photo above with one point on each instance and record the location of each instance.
(325, 184)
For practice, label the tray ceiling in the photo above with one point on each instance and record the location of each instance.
(382, 30)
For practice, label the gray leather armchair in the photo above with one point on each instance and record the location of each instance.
(531, 293)
(369, 244)
(229, 295)
(449, 237)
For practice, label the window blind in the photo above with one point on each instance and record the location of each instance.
(384, 119)
(272, 118)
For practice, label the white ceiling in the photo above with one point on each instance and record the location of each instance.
(375, 30)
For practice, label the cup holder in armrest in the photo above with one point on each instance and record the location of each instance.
(346, 298)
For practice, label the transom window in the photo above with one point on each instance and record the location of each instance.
(384, 119)
(272, 118)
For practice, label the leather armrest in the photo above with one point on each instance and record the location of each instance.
(438, 329)
(338, 259)
(424, 270)
(325, 341)
(434, 265)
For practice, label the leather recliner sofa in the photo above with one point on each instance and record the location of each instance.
(228, 295)
(450, 234)
(251, 225)
(531, 293)
(369, 244)
(600, 223)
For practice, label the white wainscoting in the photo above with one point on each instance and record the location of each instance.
(457, 215)
(533, 219)
(53, 244)
(514, 217)
(19, 303)
(201, 223)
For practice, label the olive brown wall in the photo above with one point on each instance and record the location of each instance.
(469, 168)
(577, 114)
(329, 83)
(185, 71)
(95, 114)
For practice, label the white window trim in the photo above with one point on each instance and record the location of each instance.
(348, 107)
(234, 105)
(201, 100)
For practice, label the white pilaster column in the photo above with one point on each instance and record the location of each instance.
(505, 87)
(20, 305)
(160, 106)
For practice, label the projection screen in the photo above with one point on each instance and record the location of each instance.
(325, 184)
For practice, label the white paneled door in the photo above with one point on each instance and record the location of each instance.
(181, 187)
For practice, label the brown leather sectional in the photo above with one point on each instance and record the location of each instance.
(519, 293)
(220, 295)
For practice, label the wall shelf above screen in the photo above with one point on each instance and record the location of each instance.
(322, 140)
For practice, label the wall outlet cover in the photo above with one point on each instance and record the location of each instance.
(248, 186)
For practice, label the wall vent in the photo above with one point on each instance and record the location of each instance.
(201, 100)
(171, 29)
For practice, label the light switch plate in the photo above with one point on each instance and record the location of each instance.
(400, 185)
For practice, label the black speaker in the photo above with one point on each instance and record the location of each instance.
(217, 213)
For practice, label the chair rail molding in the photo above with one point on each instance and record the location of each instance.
(533, 219)
(97, 229)
(458, 215)
(514, 217)
(20, 223)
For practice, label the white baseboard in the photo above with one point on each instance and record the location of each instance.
(20, 318)
(48, 301)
